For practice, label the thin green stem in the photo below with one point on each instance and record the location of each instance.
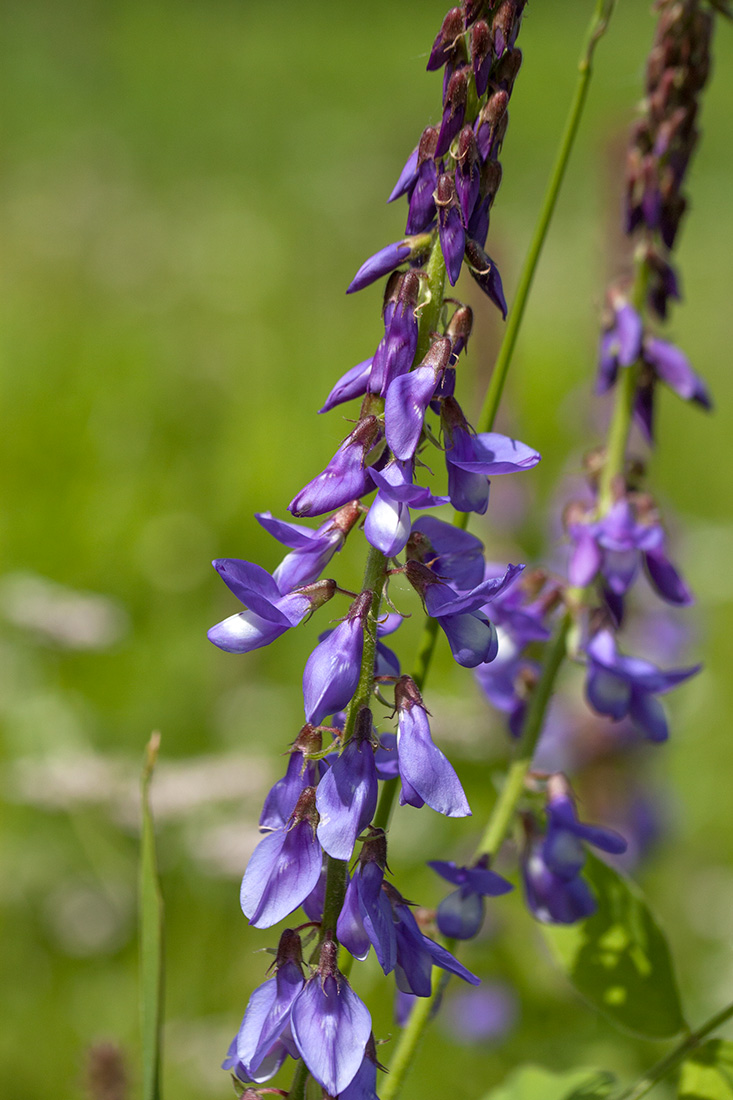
(502, 815)
(432, 305)
(671, 1061)
(300, 1080)
(412, 1034)
(599, 22)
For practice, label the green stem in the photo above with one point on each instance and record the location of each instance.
(599, 22)
(432, 305)
(300, 1080)
(412, 1034)
(502, 815)
(666, 1065)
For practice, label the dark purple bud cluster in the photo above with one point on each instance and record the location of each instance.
(665, 136)
(661, 147)
(451, 178)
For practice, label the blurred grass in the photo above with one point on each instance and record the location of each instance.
(187, 189)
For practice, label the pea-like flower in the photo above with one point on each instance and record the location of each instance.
(617, 685)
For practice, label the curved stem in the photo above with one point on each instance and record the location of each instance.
(599, 22)
(666, 1065)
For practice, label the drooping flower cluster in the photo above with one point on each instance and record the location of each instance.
(319, 817)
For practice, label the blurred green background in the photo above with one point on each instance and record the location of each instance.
(187, 189)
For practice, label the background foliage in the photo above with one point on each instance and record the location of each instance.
(187, 189)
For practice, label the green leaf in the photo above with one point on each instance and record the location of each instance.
(537, 1083)
(151, 937)
(707, 1073)
(619, 960)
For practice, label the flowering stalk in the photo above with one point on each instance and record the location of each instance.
(562, 894)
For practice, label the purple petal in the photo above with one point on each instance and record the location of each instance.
(405, 405)
(674, 368)
(331, 1027)
(492, 453)
(350, 385)
(425, 767)
(331, 672)
(282, 871)
(346, 799)
(251, 584)
(666, 580)
(471, 637)
(452, 241)
(381, 263)
(406, 177)
(244, 632)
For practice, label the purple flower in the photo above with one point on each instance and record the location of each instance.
(331, 1025)
(311, 550)
(450, 226)
(471, 459)
(484, 271)
(471, 636)
(620, 343)
(407, 399)
(350, 385)
(366, 916)
(620, 686)
(468, 174)
(422, 200)
(551, 865)
(454, 110)
(300, 773)
(460, 915)
(485, 1015)
(424, 769)
(455, 556)
(674, 368)
(345, 478)
(396, 350)
(268, 613)
(388, 523)
(388, 258)
(267, 1014)
(482, 54)
(284, 867)
(614, 544)
(451, 30)
(417, 954)
(332, 671)
(346, 797)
